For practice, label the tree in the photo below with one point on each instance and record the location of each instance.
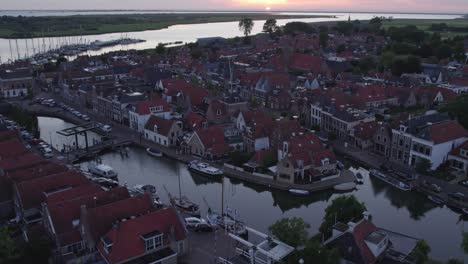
(314, 252)
(457, 109)
(245, 25)
(323, 38)
(270, 26)
(455, 261)
(342, 209)
(9, 252)
(465, 242)
(421, 252)
(423, 166)
(161, 48)
(293, 27)
(292, 231)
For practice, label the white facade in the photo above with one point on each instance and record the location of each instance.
(138, 122)
(261, 143)
(156, 137)
(16, 92)
(435, 153)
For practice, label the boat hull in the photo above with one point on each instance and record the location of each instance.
(154, 154)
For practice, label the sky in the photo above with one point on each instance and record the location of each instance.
(420, 6)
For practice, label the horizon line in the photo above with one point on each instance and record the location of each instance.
(227, 11)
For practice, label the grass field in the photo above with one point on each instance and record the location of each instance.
(425, 24)
(54, 26)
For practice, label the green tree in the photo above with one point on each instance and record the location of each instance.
(269, 159)
(323, 38)
(342, 209)
(314, 252)
(270, 26)
(465, 242)
(160, 49)
(423, 166)
(292, 231)
(9, 251)
(245, 25)
(455, 261)
(457, 109)
(421, 252)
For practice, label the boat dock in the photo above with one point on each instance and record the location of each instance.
(91, 152)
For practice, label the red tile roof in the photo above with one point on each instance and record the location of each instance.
(196, 94)
(100, 219)
(163, 125)
(37, 171)
(25, 160)
(11, 148)
(445, 131)
(126, 238)
(306, 62)
(64, 212)
(32, 193)
(8, 135)
(143, 107)
(457, 151)
(361, 231)
(194, 121)
(365, 130)
(213, 139)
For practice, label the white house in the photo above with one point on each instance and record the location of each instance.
(15, 83)
(435, 141)
(142, 111)
(163, 131)
(458, 158)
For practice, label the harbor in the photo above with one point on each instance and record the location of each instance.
(406, 212)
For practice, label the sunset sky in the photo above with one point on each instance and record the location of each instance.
(437, 6)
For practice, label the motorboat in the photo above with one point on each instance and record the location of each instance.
(227, 222)
(150, 189)
(344, 187)
(390, 180)
(299, 192)
(102, 170)
(154, 152)
(184, 204)
(435, 199)
(105, 182)
(359, 178)
(204, 168)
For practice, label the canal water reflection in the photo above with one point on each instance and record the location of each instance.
(403, 212)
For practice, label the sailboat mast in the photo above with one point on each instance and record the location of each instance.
(11, 51)
(222, 196)
(180, 187)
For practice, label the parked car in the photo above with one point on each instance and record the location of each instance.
(85, 117)
(192, 222)
(106, 128)
(48, 153)
(203, 227)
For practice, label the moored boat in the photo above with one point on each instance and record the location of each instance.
(154, 152)
(390, 180)
(359, 178)
(184, 204)
(150, 189)
(204, 168)
(465, 211)
(102, 170)
(344, 187)
(299, 192)
(227, 222)
(436, 199)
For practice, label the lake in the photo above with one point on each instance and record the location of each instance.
(11, 49)
(405, 212)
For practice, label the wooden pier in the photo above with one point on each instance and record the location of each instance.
(93, 151)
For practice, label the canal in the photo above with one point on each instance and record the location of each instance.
(404, 212)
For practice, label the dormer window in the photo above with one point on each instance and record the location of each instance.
(325, 161)
(107, 244)
(218, 112)
(155, 109)
(153, 240)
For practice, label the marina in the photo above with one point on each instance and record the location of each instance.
(390, 180)
(404, 212)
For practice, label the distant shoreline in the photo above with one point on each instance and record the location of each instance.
(81, 25)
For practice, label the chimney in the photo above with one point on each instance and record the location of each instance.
(351, 226)
(367, 216)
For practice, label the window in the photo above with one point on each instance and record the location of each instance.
(153, 242)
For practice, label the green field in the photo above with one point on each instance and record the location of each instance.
(425, 24)
(54, 26)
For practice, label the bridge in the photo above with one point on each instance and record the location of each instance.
(80, 130)
(93, 151)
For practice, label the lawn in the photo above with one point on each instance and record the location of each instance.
(425, 24)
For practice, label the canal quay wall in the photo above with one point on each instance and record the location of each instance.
(122, 132)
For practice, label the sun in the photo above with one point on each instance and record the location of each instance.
(268, 8)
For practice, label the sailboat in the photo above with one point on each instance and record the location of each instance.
(182, 202)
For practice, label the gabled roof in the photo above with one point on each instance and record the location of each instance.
(306, 62)
(64, 212)
(7, 135)
(443, 132)
(101, 218)
(143, 107)
(37, 171)
(11, 148)
(365, 130)
(126, 239)
(24, 160)
(163, 125)
(194, 121)
(213, 139)
(32, 193)
(457, 151)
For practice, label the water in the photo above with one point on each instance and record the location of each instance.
(185, 33)
(407, 213)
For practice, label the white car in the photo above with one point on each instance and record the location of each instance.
(85, 117)
(192, 222)
(48, 153)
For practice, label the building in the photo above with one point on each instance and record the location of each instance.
(208, 143)
(141, 112)
(163, 131)
(435, 141)
(458, 158)
(157, 237)
(15, 83)
(363, 242)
